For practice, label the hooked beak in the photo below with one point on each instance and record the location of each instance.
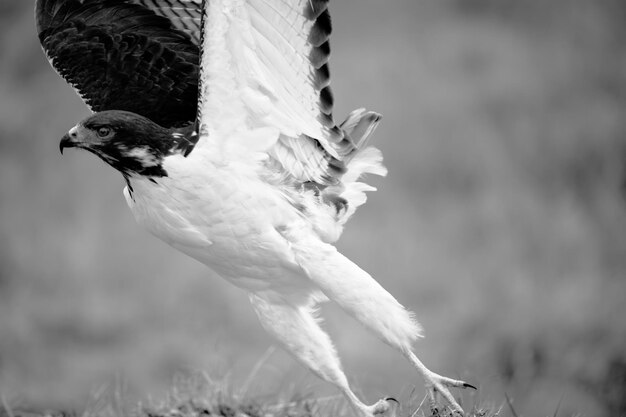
(69, 140)
(66, 142)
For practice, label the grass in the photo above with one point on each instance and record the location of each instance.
(197, 394)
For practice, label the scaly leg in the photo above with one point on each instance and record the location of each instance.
(436, 383)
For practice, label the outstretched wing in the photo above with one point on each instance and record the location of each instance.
(134, 55)
(264, 85)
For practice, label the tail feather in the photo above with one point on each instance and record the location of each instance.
(359, 126)
(341, 200)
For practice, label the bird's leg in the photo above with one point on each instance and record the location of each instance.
(366, 300)
(298, 331)
(436, 383)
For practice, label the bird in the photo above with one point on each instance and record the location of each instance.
(219, 116)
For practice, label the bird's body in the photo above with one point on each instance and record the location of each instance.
(229, 219)
(235, 212)
(259, 183)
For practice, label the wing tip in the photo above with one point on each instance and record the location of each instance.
(315, 8)
(321, 29)
(326, 100)
(319, 55)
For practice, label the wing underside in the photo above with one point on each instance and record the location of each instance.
(264, 85)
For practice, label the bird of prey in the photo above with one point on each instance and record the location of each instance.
(218, 115)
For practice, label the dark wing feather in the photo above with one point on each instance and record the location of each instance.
(185, 15)
(122, 55)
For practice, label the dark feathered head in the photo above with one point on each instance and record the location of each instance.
(128, 142)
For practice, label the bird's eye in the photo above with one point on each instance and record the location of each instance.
(104, 131)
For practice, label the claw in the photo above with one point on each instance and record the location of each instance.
(439, 384)
(386, 407)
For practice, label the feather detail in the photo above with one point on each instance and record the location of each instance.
(122, 56)
(342, 200)
(265, 64)
(184, 14)
(353, 289)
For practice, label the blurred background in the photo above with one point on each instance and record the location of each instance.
(501, 224)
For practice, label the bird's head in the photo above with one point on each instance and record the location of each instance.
(130, 143)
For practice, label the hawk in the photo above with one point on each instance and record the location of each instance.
(218, 115)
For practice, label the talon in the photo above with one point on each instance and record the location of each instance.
(438, 385)
(385, 407)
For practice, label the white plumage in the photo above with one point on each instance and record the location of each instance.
(272, 181)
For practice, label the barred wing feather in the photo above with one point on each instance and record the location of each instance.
(264, 85)
(184, 14)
